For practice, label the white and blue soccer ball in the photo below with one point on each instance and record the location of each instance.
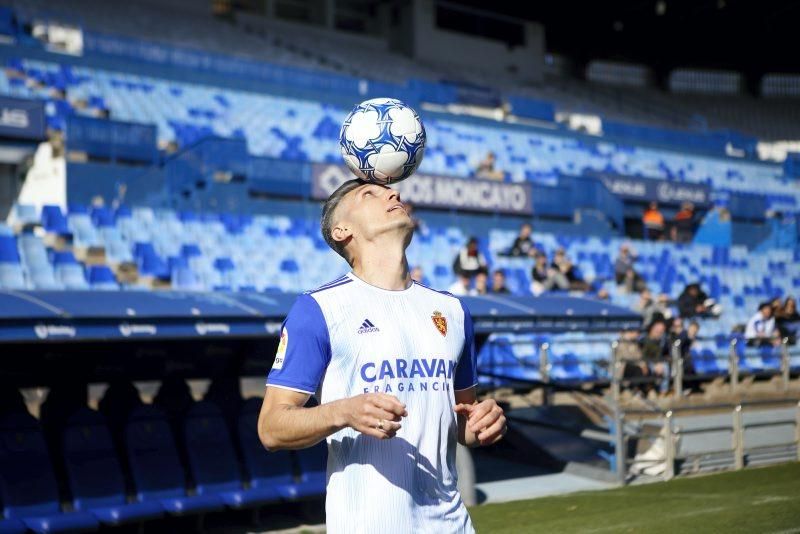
(382, 140)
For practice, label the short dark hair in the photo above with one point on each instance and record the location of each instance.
(328, 209)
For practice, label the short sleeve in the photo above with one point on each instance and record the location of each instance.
(304, 350)
(467, 370)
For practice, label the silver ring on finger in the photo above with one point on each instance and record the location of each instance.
(379, 426)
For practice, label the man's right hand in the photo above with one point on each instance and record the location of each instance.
(368, 412)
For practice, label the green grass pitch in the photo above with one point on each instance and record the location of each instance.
(760, 500)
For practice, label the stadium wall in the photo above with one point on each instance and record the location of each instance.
(449, 48)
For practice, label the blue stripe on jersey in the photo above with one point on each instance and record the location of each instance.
(326, 284)
(436, 290)
(330, 286)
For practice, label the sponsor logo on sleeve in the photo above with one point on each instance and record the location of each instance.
(280, 354)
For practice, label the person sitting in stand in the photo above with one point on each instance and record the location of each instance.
(653, 221)
(760, 330)
(481, 286)
(499, 282)
(787, 320)
(624, 273)
(461, 285)
(418, 275)
(693, 302)
(544, 277)
(486, 169)
(523, 244)
(469, 261)
(683, 224)
(562, 263)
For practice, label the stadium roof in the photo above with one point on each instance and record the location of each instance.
(88, 316)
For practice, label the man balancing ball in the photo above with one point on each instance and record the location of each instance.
(395, 364)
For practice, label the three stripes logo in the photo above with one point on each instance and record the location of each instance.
(367, 327)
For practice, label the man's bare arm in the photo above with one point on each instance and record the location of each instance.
(284, 423)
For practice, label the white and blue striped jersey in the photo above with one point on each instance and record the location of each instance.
(349, 337)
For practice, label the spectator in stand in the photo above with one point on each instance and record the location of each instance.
(499, 282)
(687, 337)
(653, 309)
(487, 170)
(653, 221)
(523, 244)
(655, 348)
(563, 264)
(469, 261)
(693, 302)
(760, 330)
(461, 286)
(686, 347)
(788, 320)
(624, 273)
(481, 285)
(683, 224)
(418, 275)
(544, 277)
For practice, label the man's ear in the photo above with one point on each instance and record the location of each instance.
(342, 232)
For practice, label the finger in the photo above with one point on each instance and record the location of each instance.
(390, 404)
(387, 432)
(492, 431)
(478, 413)
(379, 413)
(463, 409)
(380, 423)
(478, 423)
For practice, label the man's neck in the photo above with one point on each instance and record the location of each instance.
(383, 266)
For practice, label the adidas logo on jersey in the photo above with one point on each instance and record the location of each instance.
(367, 327)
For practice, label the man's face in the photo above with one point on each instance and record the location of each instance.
(525, 231)
(677, 326)
(498, 280)
(766, 311)
(369, 211)
(657, 331)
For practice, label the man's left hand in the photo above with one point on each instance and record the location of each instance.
(485, 420)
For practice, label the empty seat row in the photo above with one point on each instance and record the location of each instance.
(97, 482)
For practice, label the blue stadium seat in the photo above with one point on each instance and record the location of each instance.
(11, 276)
(12, 526)
(156, 467)
(8, 249)
(95, 475)
(53, 220)
(25, 214)
(212, 458)
(270, 472)
(313, 463)
(27, 486)
(101, 277)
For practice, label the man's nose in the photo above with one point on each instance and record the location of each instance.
(394, 195)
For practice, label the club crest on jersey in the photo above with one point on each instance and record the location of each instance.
(440, 322)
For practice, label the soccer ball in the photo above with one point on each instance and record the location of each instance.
(382, 140)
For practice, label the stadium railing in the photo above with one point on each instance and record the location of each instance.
(666, 436)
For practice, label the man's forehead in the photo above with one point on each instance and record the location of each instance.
(362, 187)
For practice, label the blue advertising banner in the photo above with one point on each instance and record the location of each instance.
(426, 190)
(648, 189)
(113, 140)
(21, 118)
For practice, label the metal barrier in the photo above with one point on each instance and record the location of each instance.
(669, 434)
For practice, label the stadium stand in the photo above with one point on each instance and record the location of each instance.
(140, 216)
